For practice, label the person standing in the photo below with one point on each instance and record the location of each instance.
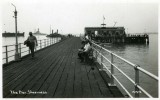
(33, 41)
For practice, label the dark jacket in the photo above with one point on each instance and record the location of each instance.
(27, 43)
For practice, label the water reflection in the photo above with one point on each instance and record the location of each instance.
(141, 54)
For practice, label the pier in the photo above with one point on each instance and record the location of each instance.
(55, 72)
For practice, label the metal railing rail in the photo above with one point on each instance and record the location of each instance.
(113, 77)
(41, 44)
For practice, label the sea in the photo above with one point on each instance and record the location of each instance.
(144, 55)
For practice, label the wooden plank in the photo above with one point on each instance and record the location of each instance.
(94, 85)
(86, 88)
(62, 83)
(26, 65)
(31, 76)
(102, 86)
(65, 83)
(55, 70)
(77, 73)
(46, 84)
(69, 69)
(54, 83)
(78, 81)
(53, 86)
(68, 93)
(115, 92)
(36, 85)
(41, 60)
(18, 81)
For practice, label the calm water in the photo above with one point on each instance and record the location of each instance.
(144, 55)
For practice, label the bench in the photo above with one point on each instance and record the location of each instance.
(89, 58)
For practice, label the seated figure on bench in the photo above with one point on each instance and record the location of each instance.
(80, 51)
(83, 53)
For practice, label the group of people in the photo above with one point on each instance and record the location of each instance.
(31, 42)
(84, 50)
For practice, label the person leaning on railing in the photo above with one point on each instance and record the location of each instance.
(31, 42)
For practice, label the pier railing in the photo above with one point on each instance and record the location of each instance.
(23, 50)
(100, 54)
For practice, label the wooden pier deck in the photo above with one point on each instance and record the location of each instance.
(56, 72)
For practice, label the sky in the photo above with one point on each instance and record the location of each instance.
(70, 16)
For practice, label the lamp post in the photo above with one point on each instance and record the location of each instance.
(16, 52)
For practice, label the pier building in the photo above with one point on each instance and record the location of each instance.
(114, 35)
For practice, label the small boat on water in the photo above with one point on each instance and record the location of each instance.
(8, 34)
(38, 33)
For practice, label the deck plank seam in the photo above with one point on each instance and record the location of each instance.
(33, 75)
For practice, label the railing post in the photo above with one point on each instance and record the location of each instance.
(137, 91)
(96, 55)
(6, 55)
(29, 51)
(101, 62)
(50, 41)
(112, 72)
(40, 45)
(20, 50)
(45, 42)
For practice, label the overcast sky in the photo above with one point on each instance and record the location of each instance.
(72, 17)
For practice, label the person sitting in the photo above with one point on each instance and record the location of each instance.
(80, 51)
(87, 49)
(84, 53)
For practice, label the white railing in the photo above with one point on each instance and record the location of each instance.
(138, 89)
(9, 50)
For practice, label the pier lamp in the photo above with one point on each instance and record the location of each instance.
(17, 57)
